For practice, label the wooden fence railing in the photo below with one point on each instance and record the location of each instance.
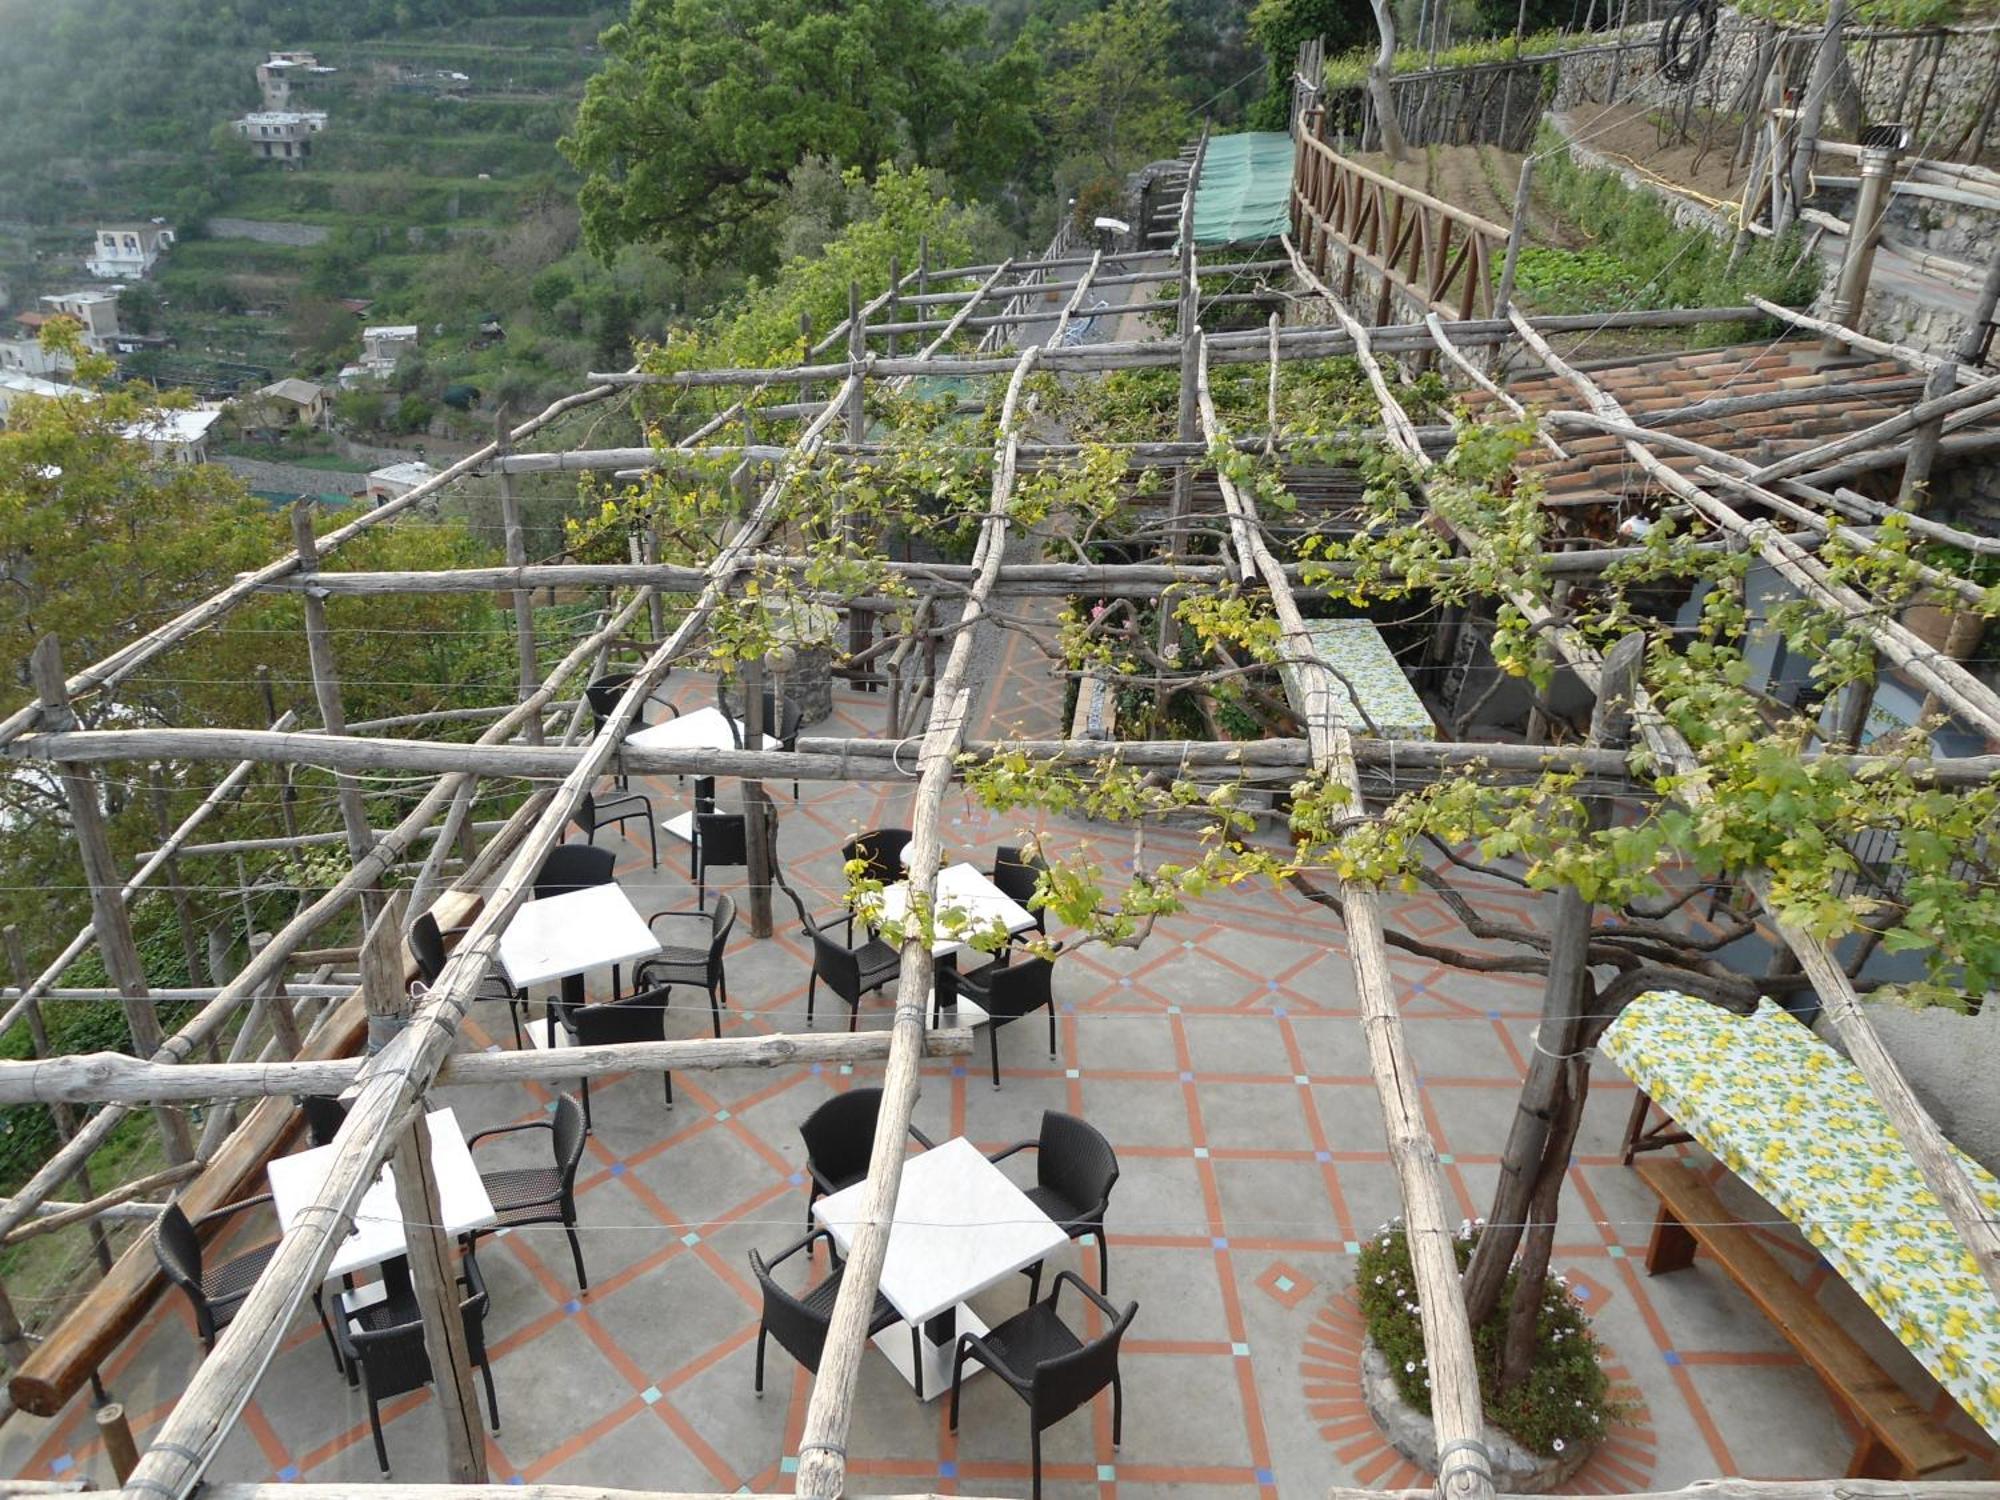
(1442, 258)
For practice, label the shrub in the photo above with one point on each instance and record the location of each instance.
(1565, 1399)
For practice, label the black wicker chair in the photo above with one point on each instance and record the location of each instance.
(799, 1321)
(216, 1291)
(603, 694)
(385, 1353)
(1048, 1366)
(1016, 874)
(1007, 992)
(324, 1117)
(881, 850)
(616, 811)
(698, 967)
(721, 840)
(639, 1017)
(839, 1136)
(540, 1195)
(849, 971)
(427, 948)
(1075, 1170)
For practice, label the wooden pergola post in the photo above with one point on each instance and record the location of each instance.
(113, 923)
(326, 691)
(523, 599)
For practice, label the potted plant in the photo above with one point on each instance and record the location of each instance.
(1541, 1428)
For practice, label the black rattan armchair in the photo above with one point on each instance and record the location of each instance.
(603, 694)
(616, 811)
(1017, 874)
(1075, 1170)
(324, 1117)
(696, 967)
(427, 948)
(382, 1346)
(721, 840)
(839, 1136)
(850, 972)
(1007, 992)
(799, 1321)
(881, 850)
(540, 1195)
(1048, 1366)
(215, 1291)
(639, 1017)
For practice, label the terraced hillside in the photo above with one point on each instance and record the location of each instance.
(414, 161)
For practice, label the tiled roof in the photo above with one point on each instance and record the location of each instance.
(1795, 376)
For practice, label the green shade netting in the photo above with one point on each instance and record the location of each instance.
(1244, 193)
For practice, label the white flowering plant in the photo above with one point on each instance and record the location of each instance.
(1565, 1402)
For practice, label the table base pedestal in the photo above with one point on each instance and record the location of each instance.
(894, 1341)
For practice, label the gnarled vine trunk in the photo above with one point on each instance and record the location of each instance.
(1386, 124)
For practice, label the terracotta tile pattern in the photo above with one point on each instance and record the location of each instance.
(1223, 1059)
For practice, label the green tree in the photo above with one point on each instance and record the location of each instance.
(97, 542)
(1281, 25)
(1111, 97)
(887, 218)
(690, 133)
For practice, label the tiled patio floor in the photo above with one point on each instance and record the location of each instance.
(1224, 1062)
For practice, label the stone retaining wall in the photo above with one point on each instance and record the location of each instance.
(1890, 73)
(268, 232)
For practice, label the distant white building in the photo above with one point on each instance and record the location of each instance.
(14, 385)
(178, 436)
(281, 135)
(387, 484)
(386, 343)
(21, 348)
(127, 252)
(96, 311)
(279, 73)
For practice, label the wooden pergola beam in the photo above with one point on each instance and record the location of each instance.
(115, 1077)
(1227, 349)
(822, 1448)
(1456, 1406)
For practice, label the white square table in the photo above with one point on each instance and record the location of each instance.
(960, 1227)
(701, 729)
(960, 887)
(296, 1182)
(559, 936)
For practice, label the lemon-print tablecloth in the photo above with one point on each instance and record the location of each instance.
(1796, 1121)
(1387, 707)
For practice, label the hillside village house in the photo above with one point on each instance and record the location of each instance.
(21, 350)
(14, 384)
(287, 404)
(382, 346)
(97, 312)
(176, 437)
(281, 71)
(396, 480)
(128, 252)
(281, 135)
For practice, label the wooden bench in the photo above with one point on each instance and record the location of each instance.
(1899, 1439)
